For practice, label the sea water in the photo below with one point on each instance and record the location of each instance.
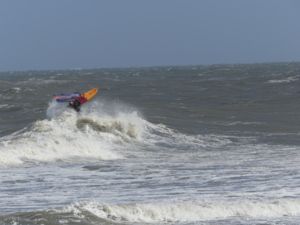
(215, 144)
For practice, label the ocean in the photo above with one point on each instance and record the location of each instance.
(215, 144)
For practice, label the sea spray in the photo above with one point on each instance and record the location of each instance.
(68, 135)
(99, 132)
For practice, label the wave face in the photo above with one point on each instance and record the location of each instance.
(67, 136)
(102, 131)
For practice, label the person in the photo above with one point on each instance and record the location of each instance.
(77, 102)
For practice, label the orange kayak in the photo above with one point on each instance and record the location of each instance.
(90, 94)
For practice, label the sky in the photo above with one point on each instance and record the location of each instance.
(72, 34)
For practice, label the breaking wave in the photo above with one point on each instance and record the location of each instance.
(102, 131)
(186, 211)
(286, 80)
(70, 136)
(163, 213)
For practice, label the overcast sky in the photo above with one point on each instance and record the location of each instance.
(65, 34)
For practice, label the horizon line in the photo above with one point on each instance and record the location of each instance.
(145, 67)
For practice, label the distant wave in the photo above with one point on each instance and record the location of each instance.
(286, 80)
(236, 123)
(39, 81)
(6, 106)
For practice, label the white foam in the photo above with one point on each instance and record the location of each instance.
(4, 106)
(189, 211)
(160, 134)
(234, 123)
(102, 130)
(16, 89)
(287, 80)
(72, 136)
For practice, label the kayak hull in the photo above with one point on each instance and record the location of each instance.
(90, 94)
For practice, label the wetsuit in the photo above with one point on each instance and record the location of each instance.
(77, 102)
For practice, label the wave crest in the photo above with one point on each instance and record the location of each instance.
(102, 130)
(188, 211)
(70, 136)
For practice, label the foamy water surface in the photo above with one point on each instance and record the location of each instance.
(213, 149)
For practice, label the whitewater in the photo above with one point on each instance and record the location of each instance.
(176, 145)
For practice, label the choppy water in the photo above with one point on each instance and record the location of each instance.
(176, 145)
